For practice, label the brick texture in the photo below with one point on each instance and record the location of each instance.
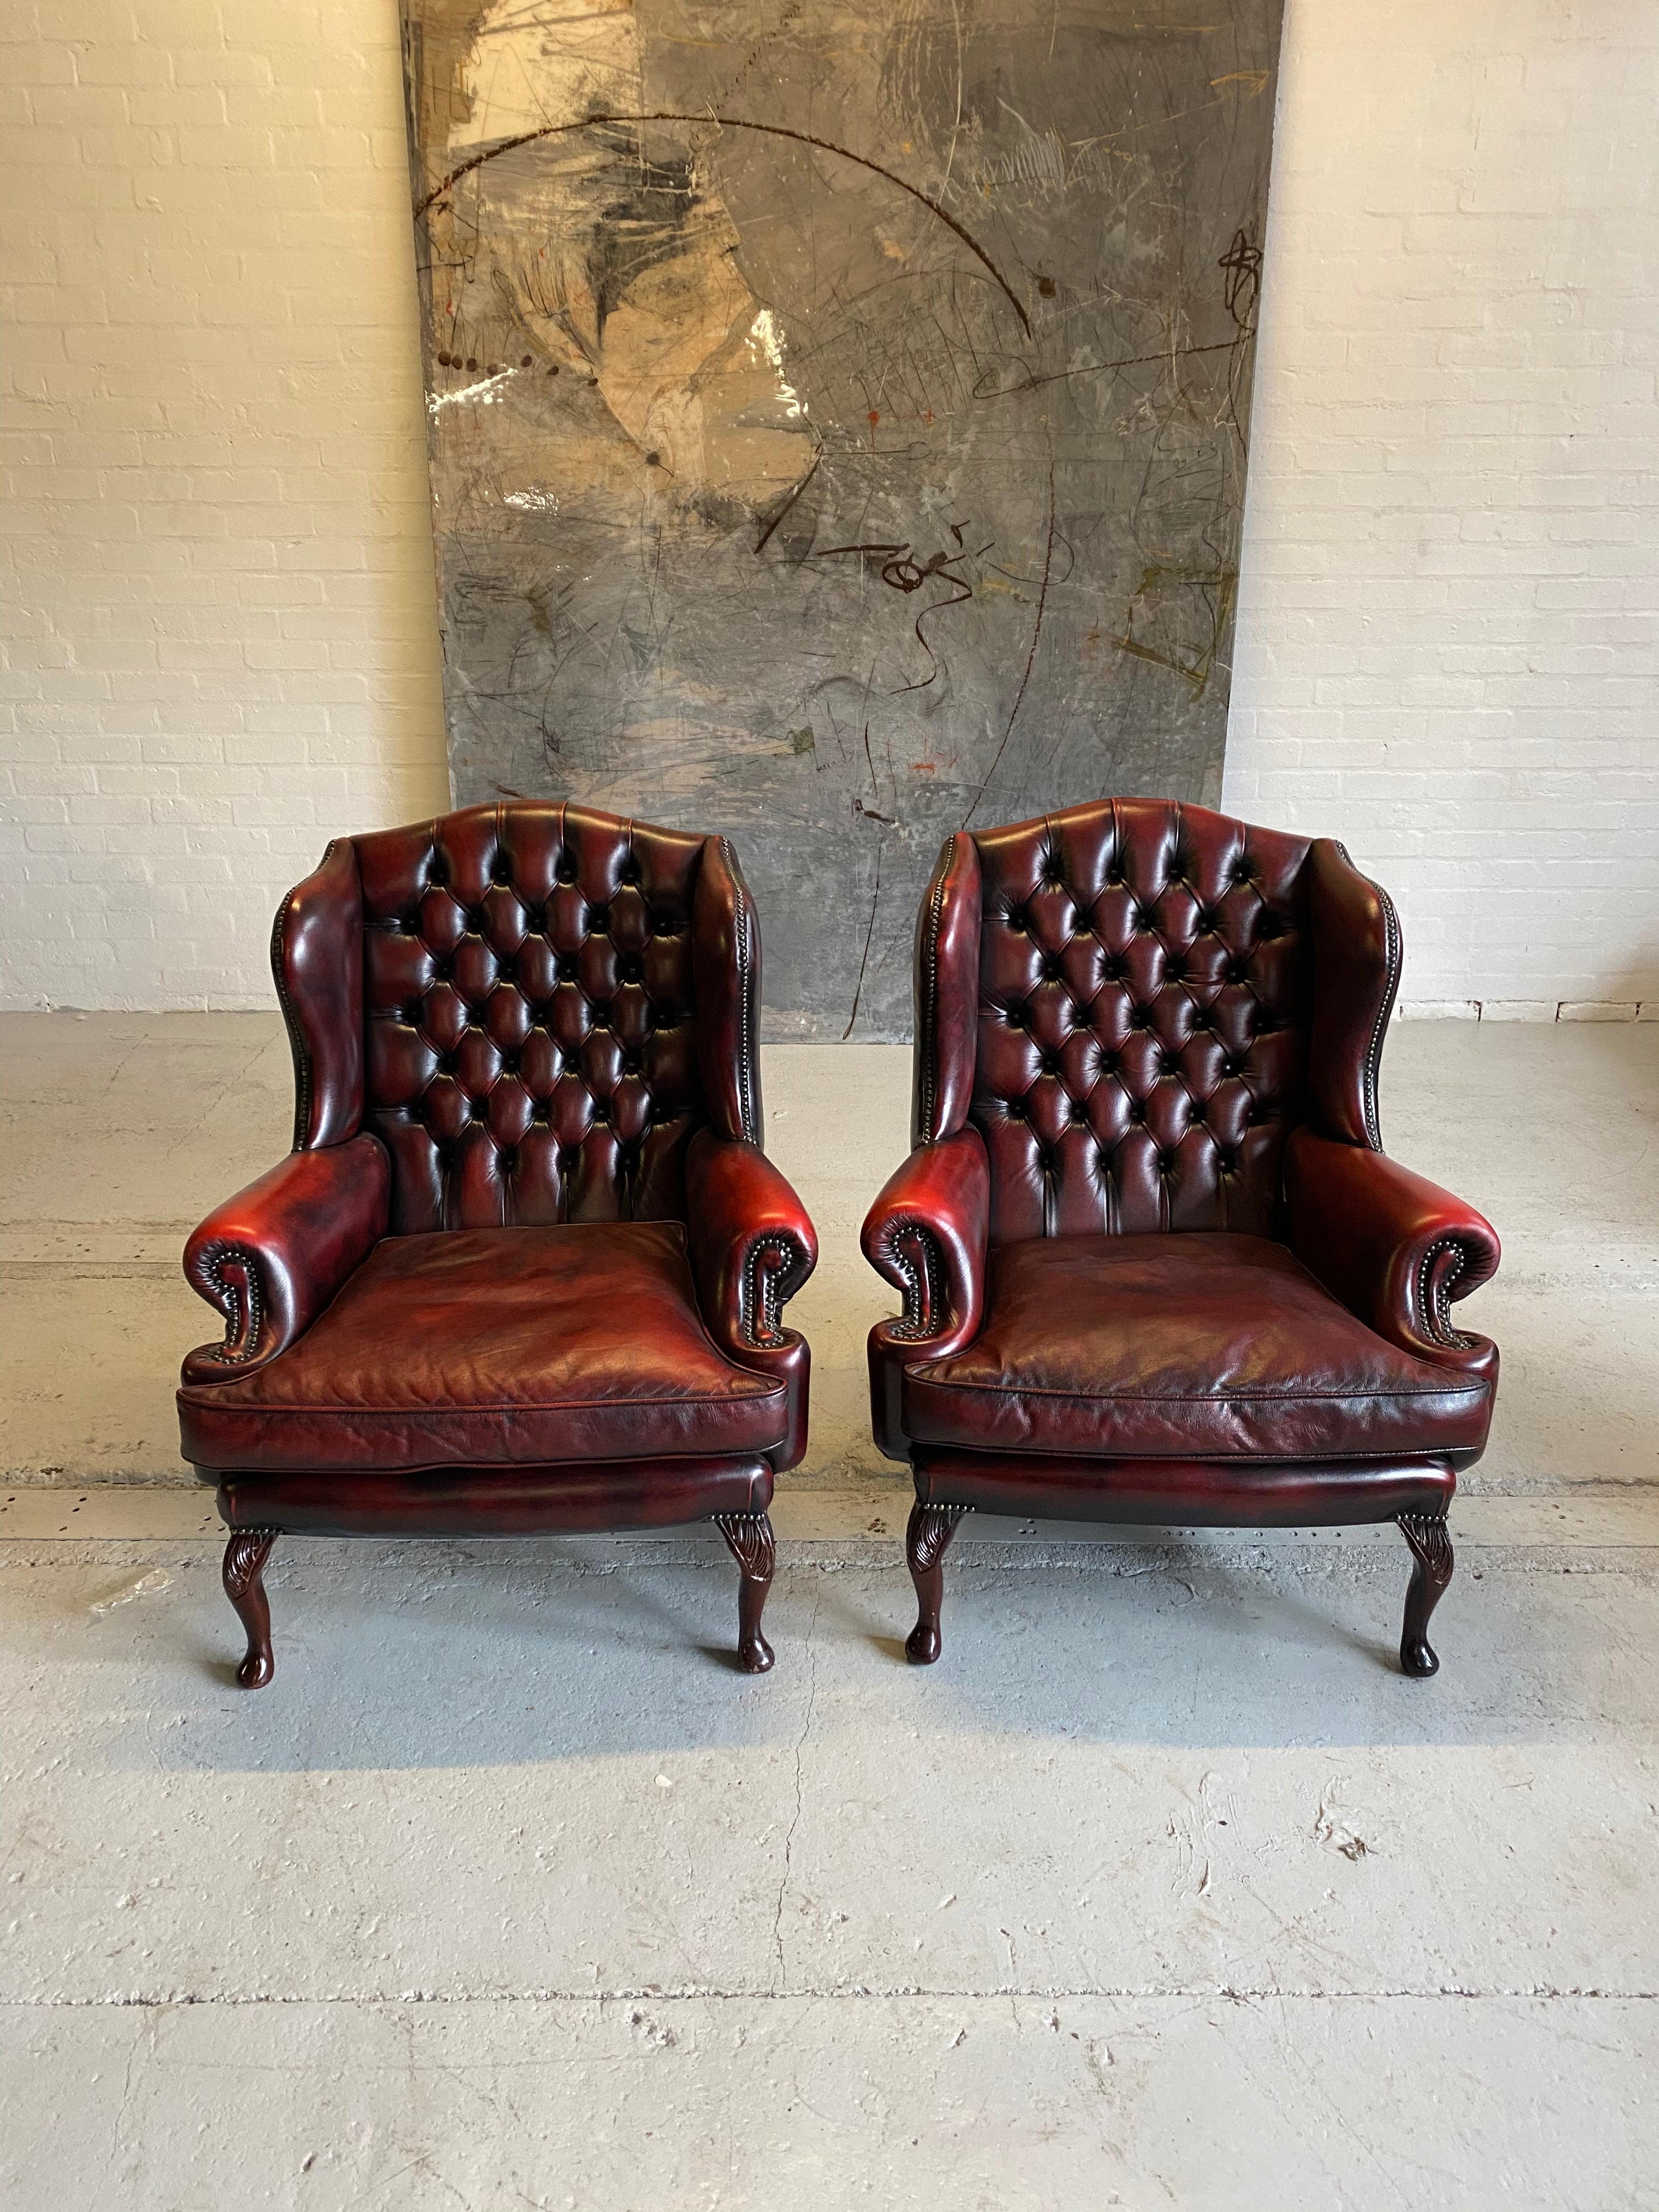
(1449, 618)
(219, 631)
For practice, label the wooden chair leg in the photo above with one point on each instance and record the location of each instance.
(245, 1566)
(927, 1540)
(1431, 1571)
(749, 1539)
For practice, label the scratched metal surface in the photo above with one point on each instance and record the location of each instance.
(838, 423)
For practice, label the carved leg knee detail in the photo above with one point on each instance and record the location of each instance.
(749, 1539)
(1431, 1569)
(927, 1540)
(245, 1566)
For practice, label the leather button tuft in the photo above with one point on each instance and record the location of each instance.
(599, 920)
(1166, 1164)
(509, 1161)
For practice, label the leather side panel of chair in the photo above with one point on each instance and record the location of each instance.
(317, 960)
(1356, 951)
(752, 1248)
(272, 1257)
(947, 993)
(725, 955)
(1394, 1247)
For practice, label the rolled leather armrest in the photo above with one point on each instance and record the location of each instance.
(752, 1247)
(1392, 1246)
(927, 1234)
(272, 1257)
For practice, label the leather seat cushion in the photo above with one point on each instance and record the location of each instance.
(1184, 1346)
(492, 1346)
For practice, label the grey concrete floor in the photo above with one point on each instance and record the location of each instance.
(1163, 1887)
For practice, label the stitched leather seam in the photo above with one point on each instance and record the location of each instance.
(740, 945)
(1391, 983)
(930, 1006)
(1207, 1398)
(229, 1301)
(1434, 1299)
(443, 1414)
(296, 1042)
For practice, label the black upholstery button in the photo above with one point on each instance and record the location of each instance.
(1175, 970)
(630, 1063)
(1016, 1110)
(566, 870)
(565, 970)
(1138, 1114)
(569, 1161)
(509, 1063)
(630, 873)
(1079, 1111)
(599, 920)
(541, 1111)
(1201, 1113)
(631, 971)
(509, 1160)
(1207, 921)
(1017, 919)
(1228, 1163)
(1166, 1164)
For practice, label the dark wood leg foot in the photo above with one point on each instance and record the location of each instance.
(1431, 1569)
(925, 1541)
(749, 1539)
(245, 1566)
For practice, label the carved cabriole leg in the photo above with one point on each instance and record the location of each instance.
(244, 1565)
(1431, 1569)
(925, 1541)
(749, 1539)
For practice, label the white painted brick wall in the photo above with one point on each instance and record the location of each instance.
(218, 642)
(1449, 618)
(219, 636)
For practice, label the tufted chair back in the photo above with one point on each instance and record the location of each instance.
(1135, 1001)
(533, 1007)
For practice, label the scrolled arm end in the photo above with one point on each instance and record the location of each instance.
(1396, 1250)
(271, 1258)
(752, 1248)
(926, 1235)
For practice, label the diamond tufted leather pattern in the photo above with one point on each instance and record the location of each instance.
(531, 1052)
(1143, 1002)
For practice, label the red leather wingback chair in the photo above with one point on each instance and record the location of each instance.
(524, 1266)
(1156, 1265)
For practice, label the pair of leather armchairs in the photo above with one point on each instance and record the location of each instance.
(524, 1268)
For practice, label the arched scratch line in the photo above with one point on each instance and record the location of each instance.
(1030, 658)
(737, 123)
